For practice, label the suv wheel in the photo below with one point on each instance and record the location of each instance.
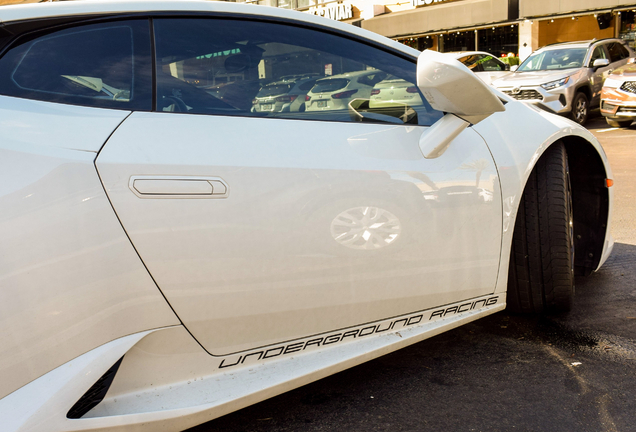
(580, 108)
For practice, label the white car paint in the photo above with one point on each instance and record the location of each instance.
(63, 290)
(84, 298)
(248, 264)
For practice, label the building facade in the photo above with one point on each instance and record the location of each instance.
(496, 26)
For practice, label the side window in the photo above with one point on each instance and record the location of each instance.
(250, 68)
(491, 64)
(98, 65)
(599, 53)
(472, 62)
(617, 51)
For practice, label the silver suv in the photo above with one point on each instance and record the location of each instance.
(566, 78)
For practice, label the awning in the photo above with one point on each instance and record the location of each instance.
(439, 17)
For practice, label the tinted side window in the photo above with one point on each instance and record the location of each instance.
(249, 68)
(599, 53)
(472, 62)
(101, 65)
(491, 64)
(617, 51)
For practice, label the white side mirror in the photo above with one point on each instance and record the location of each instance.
(451, 87)
(514, 68)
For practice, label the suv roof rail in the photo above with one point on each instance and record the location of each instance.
(589, 42)
(605, 39)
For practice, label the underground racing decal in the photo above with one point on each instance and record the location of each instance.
(356, 333)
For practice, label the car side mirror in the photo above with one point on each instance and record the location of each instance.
(600, 63)
(452, 88)
(514, 68)
(631, 60)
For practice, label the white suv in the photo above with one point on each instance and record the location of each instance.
(566, 78)
(335, 92)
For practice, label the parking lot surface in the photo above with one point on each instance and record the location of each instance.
(575, 372)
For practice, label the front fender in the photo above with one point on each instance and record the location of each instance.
(517, 138)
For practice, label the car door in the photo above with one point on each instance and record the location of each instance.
(268, 227)
(599, 74)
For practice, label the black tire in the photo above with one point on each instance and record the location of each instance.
(541, 275)
(580, 108)
(618, 123)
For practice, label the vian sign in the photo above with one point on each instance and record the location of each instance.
(336, 11)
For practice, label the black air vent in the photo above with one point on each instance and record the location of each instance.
(95, 394)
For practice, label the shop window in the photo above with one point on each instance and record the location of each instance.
(420, 43)
(628, 28)
(459, 41)
(499, 41)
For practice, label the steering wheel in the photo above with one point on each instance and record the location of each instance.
(180, 106)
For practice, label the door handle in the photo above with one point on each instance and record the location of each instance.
(178, 187)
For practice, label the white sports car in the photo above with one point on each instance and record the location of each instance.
(168, 255)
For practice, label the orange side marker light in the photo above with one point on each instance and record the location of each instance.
(609, 182)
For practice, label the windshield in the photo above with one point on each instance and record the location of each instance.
(555, 59)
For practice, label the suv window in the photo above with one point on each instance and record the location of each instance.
(490, 64)
(221, 67)
(472, 62)
(100, 65)
(617, 51)
(599, 53)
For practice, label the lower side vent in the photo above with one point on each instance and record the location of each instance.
(95, 394)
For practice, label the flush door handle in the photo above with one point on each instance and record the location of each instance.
(178, 187)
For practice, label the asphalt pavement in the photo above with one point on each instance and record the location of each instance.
(506, 372)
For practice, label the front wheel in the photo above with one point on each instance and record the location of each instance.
(618, 123)
(580, 108)
(541, 274)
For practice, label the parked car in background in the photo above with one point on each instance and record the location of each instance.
(485, 65)
(335, 92)
(618, 99)
(566, 78)
(284, 95)
(394, 89)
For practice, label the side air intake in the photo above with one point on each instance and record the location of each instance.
(95, 394)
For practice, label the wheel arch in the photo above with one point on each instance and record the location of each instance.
(586, 90)
(590, 202)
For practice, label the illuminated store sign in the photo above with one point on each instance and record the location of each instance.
(336, 12)
(425, 2)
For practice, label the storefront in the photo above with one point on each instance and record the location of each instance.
(501, 27)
